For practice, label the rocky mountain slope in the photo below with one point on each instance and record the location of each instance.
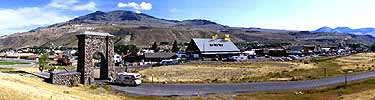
(143, 30)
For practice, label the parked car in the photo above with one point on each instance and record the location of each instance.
(130, 79)
(287, 58)
(294, 57)
(277, 59)
(238, 58)
(169, 62)
(267, 56)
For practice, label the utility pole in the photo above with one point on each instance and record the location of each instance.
(346, 78)
(152, 78)
(325, 72)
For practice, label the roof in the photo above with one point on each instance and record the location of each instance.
(125, 73)
(160, 55)
(217, 45)
(95, 33)
(212, 53)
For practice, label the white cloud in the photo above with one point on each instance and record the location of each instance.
(62, 4)
(145, 6)
(130, 4)
(72, 5)
(27, 18)
(137, 7)
(91, 6)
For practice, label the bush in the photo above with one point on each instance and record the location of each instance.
(66, 92)
(94, 87)
(107, 88)
(306, 62)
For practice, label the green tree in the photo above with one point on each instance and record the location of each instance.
(155, 47)
(164, 43)
(124, 49)
(372, 47)
(175, 47)
(354, 46)
(43, 62)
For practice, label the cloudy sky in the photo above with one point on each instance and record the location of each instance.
(24, 15)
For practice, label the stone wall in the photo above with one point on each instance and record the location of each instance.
(68, 78)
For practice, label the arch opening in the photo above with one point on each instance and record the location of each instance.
(100, 64)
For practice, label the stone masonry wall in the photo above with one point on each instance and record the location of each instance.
(69, 78)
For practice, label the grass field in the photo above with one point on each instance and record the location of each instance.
(362, 90)
(219, 72)
(3, 62)
(313, 68)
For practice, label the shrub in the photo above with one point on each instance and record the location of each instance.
(66, 92)
(306, 62)
(94, 87)
(107, 88)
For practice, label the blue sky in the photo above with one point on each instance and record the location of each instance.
(24, 15)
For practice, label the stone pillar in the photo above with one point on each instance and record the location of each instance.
(81, 58)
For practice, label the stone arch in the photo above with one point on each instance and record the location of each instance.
(90, 43)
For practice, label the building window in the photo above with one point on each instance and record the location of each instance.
(216, 44)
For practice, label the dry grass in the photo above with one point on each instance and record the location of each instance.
(364, 95)
(17, 87)
(28, 87)
(218, 72)
(359, 90)
(362, 61)
(29, 69)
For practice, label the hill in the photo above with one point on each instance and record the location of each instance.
(142, 30)
(360, 31)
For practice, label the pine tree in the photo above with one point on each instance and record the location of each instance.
(155, 47)
(174, 47)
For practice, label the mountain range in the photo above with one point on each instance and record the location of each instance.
(360, 31)
(142, 30)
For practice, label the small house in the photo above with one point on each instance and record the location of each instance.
(159, 56)
(200, 48)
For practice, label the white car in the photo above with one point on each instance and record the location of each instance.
(169, 62)
(132, 79)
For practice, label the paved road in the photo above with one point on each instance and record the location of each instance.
(201, 89)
